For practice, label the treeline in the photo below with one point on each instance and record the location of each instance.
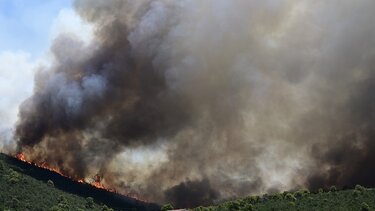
(359, 198)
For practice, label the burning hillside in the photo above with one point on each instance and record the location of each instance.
(94, 182)
(192, 102)
(34, 178)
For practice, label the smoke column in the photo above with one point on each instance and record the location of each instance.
(192, 102)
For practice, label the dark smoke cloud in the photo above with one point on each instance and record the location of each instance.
(192, 194)
(198, 101)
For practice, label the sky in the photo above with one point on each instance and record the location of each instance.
(27, 29)
(25, 25)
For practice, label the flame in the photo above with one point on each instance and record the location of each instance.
(21, 156)
(96, 181)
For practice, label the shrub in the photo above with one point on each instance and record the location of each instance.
(305, 191)
(2, 166)
(301, 193)
(290, 196)
(356, 193)
(277, 196)
(56, 208)
(234, 205)
(62, 199)
(105, 208)
(333, 188)
(13, 177)
(360, 188)
(89, 203)
(62, 203)
(167, 207)
(320, 190)
(50, 183)
(298, 194)
(365, 207)
(15, 202)
(201, 208)
(248, 207)
(292, 204)
(252, 199)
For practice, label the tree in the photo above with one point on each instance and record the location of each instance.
(360, 188)
(105, 208)
(333, 188)
(167, 207)
(365, 207)
(50, 183)
(290, 197)
(13, 177)
(89, 202)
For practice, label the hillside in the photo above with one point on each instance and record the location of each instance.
(359, 198)
(27, 187)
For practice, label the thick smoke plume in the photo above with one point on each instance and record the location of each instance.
(197, 101)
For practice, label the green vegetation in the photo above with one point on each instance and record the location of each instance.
(22, 192)
(18, 191)
(359, 198)
(167, 207)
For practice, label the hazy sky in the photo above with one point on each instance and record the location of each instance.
(27, 28)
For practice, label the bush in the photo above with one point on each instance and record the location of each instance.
(201, 208)
(333, 188)
(360, 188)
(2, 166)
(233, 205)
(15, 202)
(252, 199)
(105, 208)
(167, 207)
(56, 208)
(301, 193)
(62, 203)
(62, 199)
(290, 197)
(305, 191)
(13, 177)
(248, 207)
(365, 207)
(298, 194)
(50, 183)
(356, 193)
(320, 190)
(277, 196)
(89, 203)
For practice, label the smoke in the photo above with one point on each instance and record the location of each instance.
(197, 101)
(11, 94)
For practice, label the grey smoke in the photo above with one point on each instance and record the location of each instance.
(224, 98)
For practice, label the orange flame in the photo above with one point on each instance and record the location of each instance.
(96, 180)
(21, 156)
